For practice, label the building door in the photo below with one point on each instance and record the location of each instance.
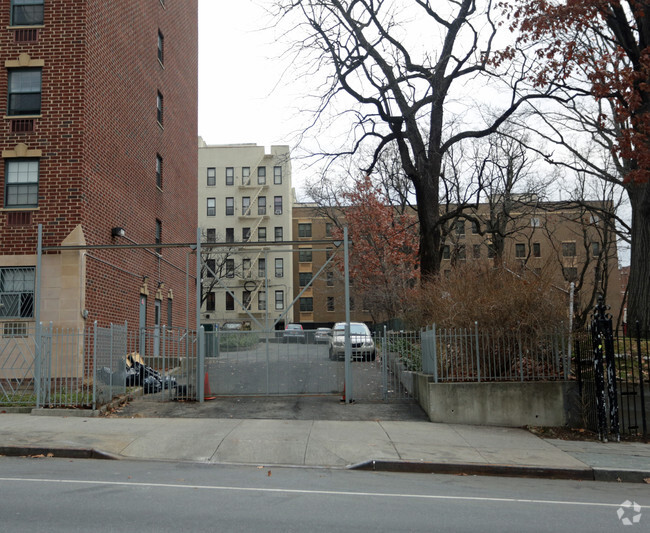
(143, 324)
(156, 329)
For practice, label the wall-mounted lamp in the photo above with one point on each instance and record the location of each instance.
(117, 232)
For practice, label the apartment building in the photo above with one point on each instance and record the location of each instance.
(99, 147)
(568, 242)
(245, 203)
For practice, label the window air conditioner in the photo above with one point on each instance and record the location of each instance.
(278, 211)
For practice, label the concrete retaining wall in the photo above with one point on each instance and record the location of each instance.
(512, 404)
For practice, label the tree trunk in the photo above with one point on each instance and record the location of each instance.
(426, 195)
(638, 307)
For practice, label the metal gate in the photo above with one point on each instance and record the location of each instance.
(242, 363)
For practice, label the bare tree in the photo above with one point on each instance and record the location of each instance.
(217, 264)
(401, 87)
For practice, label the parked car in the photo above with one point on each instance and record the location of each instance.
(363, 347)
(322, 335)
(294, 333)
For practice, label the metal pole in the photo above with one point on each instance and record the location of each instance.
(37, 317)
(478, 355)
(348, 346)
(640, 361)
(266, 317)
(199, 366)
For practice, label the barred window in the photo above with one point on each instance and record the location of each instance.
(17, 292)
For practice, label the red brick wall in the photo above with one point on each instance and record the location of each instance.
(99, 136)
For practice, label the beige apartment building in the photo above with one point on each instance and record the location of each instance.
(567, 242)
(245, 212)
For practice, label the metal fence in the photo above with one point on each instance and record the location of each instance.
(630, 370)
(472, 354)
(44, 367)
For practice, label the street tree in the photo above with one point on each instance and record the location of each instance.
(605, 44)
(396, 70)
(383, 260)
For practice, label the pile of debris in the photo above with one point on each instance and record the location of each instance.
(140, 375)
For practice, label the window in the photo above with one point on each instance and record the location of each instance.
(460, 228)
(159, 108)
(246, 299)
(212, 176)
(476, 251)
(21, 182)
(246, 205)
(277, 175)
(351, 303)
(460, 252)
(537, 250)
(211, 265)
(210, 302)
(570, 273)
(492, 251)
(277, 205)
(230, 268)
(245, 234)
(230, 206)
(569, 249)
(475, 227)
(304, 255)
(230, 176)
(330, 303)
(159, 168)
(261, 175)
(211, 235)
(230, 234)
(520, 250)
(261, 268)
(246, 267)
(446, 252)
(279, 300)
(261, 301)
(26, 12)
(17, 292)
(261, 234)
(158, 235)
(328, 253)
(245, 175)
(595, 248)
(261, 205)
(169, 312)
(278, 233)
(306, 305)
(328, 229)
(534, 222)
(230, 302)
(24, 95)
(330, 278)
(279, 267)
(161, 47)
(304, 230)
(305, 278)
(212, 207)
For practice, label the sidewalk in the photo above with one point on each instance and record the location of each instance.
(411, 446)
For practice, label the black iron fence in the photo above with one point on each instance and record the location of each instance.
(612, 368)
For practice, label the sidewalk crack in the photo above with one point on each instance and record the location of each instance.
(224, 438)
(399, 456)
(304, 456)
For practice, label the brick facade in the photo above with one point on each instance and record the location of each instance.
(99, 137)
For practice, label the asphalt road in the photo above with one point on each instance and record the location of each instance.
(58, 495)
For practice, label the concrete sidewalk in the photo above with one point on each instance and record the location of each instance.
(381, 445)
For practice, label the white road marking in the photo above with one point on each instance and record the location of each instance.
(310, 492)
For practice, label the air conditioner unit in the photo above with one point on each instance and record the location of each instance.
(278, 211)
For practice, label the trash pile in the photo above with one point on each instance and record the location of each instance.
(140, 375)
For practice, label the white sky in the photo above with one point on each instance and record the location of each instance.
(242, 94)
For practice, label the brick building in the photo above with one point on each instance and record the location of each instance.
(99, 133)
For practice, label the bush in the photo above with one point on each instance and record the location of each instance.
(499, 298)
(237, 340)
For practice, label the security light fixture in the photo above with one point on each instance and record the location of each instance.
(117, 232)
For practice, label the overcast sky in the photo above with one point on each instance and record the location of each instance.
(242, 94)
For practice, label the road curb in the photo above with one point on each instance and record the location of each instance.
(471, 469)
(64, 453)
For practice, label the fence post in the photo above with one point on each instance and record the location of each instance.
(640, 361)
(384, 365)
(94, 361)
(37, 363)
(435, 353)
(478, 355)
(200, 386)
(521, 356)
